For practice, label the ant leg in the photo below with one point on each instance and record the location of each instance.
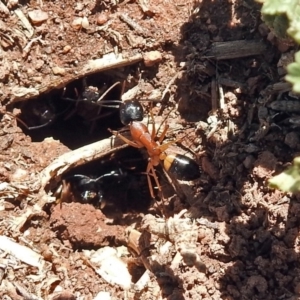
(34, 127)
(63, 193)
(148, 172)
(151, 171)
(163, 134)
(153, 133)
(165, 146)
(124, 139)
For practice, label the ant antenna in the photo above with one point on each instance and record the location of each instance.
(107, 91)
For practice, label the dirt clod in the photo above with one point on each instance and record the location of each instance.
(84, 225)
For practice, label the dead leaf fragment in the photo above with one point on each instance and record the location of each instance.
(23, 253)
(103, 296)
(110, 267)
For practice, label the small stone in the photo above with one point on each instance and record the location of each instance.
(102, 18)
(151, 58)
(66, 49)
(85, 23)
(103, 296)
(18, 175)
(79, 7)
(38, 16)
(292, 140)
(249, 162)
(77, 23)
(63, 295)
(58, 71)
(265, 165)
(12, 3)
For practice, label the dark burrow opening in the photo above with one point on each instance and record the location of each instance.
(71, 114)
(122, 186)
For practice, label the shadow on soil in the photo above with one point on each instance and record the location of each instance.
(258, 258)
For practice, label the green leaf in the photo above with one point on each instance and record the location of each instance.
(283, 16)
(276, 7)
(293, 75)
(289, 180)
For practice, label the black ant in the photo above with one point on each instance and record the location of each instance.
(86, 189)
(44, 112)
(181, 166)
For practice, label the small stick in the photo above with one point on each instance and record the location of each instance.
(107, 62)
(27, 48)
(169, 84)
(236, 49)
(214, 105)
(134, 25)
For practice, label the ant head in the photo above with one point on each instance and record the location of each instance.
(131, 110)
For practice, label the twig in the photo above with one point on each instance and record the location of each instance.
(78, 157)
(4, 9)
(214, 104)
(25, 294)
(27, 48)
(134, 25)
(169, 84)
(25, 22)
(236, 49)
(107, 62)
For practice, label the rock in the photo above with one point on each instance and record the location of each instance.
(292, 140)
(38, 16)
(151, 58)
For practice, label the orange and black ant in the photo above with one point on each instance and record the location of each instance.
(181, 166)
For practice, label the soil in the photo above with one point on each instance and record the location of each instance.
(215, 72)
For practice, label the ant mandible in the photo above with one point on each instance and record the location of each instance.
(181, 166)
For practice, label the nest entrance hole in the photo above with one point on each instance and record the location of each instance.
(71, 114)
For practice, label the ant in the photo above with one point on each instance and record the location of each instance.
(181, 166)
(86, 189)
(44, 112)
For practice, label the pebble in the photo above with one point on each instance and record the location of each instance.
(77, 23)
(292, 140)
(38, 16)
(102, 18)
(58, 71)
(151, 58)
(249, 162)
(66, 49)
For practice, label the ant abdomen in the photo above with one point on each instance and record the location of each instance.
(182, 167)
